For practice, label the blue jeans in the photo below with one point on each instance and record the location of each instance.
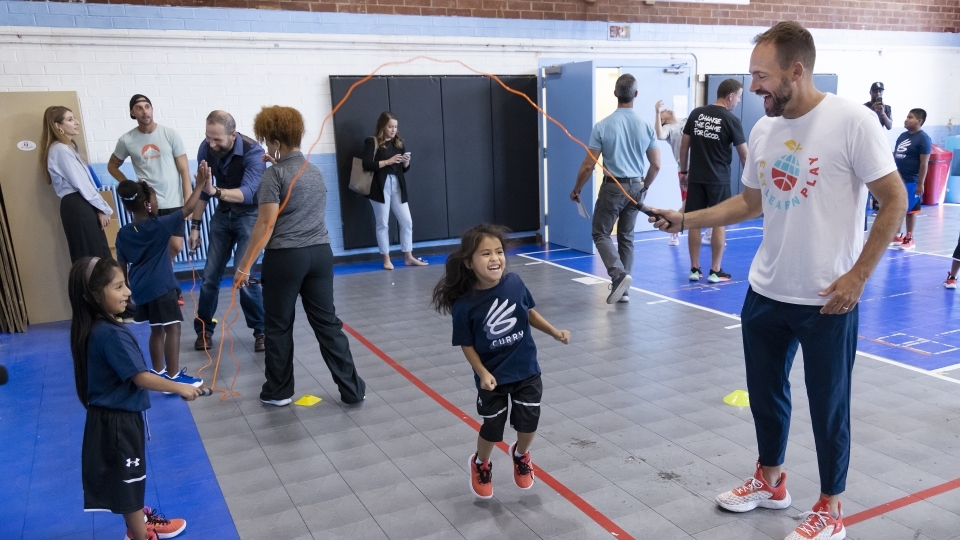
(772, 331)
(226, 231)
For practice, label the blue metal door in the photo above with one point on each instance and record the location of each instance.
(569, 99)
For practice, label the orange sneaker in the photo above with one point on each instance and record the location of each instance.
(951, 282)
(819, 524)
(481, 478)
(754, 492)
(522, 469)
(165, 528)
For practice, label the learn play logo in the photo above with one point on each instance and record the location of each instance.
(785, 173)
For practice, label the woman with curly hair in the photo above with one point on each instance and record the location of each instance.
(297, 260)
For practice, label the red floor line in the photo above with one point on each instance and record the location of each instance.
(557, 486)
(901, 502)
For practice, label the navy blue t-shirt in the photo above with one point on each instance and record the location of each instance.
(496, 323)
(113, 358)
(144, 245)
(908, 151)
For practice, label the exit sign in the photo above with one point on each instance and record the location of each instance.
(619, 31)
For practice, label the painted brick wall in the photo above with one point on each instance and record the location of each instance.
(903, 15)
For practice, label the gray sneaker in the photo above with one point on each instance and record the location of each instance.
(619, 285)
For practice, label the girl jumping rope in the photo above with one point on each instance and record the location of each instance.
(112, 378)
(492, 315)
(143, 244)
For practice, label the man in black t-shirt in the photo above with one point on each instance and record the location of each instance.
(884, 113)
(705, 147)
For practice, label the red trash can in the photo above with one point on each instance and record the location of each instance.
(938, 170)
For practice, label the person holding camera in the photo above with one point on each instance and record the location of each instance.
(386, 156)
(884, 113)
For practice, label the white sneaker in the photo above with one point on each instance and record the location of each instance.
(674, 239)
(707, 235)
(277, 402)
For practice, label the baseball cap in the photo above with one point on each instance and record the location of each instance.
(877, 86)
(138, 98)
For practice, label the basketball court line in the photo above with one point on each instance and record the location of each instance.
(933, 374)
(565, 492)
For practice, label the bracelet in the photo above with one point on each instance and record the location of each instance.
(682, 218)
(195, 224)
(242, 272)
(204, 196)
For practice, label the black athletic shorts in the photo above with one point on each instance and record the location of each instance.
(522, 398)
(164, 211)
(700, 196)
(160, 311)
(114, 465)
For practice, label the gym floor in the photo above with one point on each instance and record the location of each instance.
(634, 440)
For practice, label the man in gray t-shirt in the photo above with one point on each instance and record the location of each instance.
(159, 157)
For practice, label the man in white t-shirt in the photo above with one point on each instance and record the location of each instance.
(811, 162)
(159, 157)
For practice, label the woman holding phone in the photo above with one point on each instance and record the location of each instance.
(388, 158)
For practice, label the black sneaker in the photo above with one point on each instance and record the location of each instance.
(717, 276)
(204, 342)
(259, 344)
(620, 284)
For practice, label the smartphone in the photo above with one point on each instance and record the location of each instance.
(406, 155)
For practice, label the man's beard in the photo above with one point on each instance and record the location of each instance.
(781, 96)
(217, 154)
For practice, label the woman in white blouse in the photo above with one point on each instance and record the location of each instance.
(83, 211)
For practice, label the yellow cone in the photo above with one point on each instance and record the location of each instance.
(737, 398)
(308, 401)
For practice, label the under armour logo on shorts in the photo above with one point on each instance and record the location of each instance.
(133, 462)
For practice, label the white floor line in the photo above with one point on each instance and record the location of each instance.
(933, 374)
(732, 326)
(945, 369)
(547, 251)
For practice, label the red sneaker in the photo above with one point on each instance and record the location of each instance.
(819, 524)
(897, 240)
(523, 474)
(754, 492)
(481, 478)
(907, 244)
(165, 528)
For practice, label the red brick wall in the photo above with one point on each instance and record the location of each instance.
(906, 15)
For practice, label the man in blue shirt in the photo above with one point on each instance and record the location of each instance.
(236, 165)
(622, 139)
(912, 154)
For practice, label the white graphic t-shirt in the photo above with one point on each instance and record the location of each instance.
(153, 157)
(811, 173)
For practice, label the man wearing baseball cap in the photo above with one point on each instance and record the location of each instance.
(159, 157)
(876, 103)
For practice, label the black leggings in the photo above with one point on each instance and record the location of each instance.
(307, 272)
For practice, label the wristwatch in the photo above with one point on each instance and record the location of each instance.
(218, 194)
